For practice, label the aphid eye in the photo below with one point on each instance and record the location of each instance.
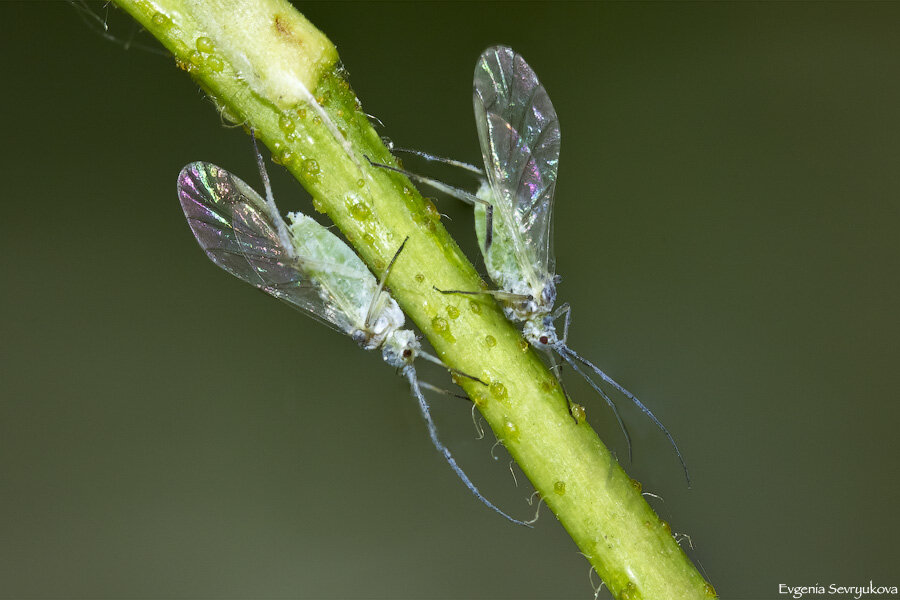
(543, 339)
(407, 353)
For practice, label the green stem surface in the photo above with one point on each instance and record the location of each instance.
(268, 68)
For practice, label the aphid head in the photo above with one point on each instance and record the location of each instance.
(388, 320)
(400, 348)
(540, 332)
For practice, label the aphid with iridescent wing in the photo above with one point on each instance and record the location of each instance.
(308, 267)
(519, 134)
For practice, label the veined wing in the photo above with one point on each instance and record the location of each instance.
(233, 225)
(519, 134)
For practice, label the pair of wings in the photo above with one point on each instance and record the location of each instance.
(320, 275)
(519, 134)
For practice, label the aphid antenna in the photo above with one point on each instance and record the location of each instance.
(571, 356)
(370, 314)
(270, 199)
(434, 359)
(410, 374)
(452, 191)
(441, 159)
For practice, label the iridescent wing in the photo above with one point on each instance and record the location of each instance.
(519, 134)
(233, 225)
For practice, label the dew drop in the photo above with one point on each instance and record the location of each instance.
(578, 413)
(368, 238)
(490, 341)
(286, 124)
(511, 431)
(629, 592)
(301, 112)
(474, 307)
(204, 44)
(159, 19)
(357, 206)
(284, 157)
(453, 312)
(420, 278)
(432, 210)
(215, 64)
(440, 324)
(360, 183)
(560, 488)
(317, 204)
(195, 58)
(498, 390)
(442, 327)
(378, 264)
(479, 399)
(311, 167)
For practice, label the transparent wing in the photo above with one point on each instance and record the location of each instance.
(519, 134)
(233, 226)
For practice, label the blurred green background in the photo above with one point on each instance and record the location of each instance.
(727, 231)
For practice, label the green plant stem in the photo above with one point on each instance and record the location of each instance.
(268, 68)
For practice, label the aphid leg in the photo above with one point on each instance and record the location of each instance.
(270, 199)
(450, 190)
(563, 351)
(433, 388)
(437, 361)
(263, 173)
(498, 294)
(557, 368)
(370, 314)
(569, 354)
(563, 309)
(447, 161)
(432, 432)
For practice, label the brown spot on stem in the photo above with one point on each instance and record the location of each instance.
(283, 27)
